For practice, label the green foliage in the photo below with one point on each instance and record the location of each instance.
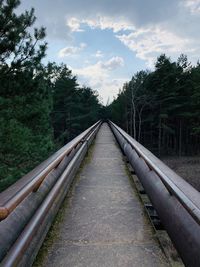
(25, 100)
(74, 108)
(166, 103)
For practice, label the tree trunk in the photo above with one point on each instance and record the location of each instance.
(131, 122)
(134, 114)
(159, 137)
(140, 122)
(180, 139)
(127, 119)
(134, 122)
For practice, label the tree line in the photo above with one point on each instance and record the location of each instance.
(42, 106)
(161, 108)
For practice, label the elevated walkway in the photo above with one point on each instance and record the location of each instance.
(102, 221)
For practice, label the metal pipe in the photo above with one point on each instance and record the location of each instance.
(18, 249)
(178, 218)
(12, 227)
(187, 195)
(15, 194)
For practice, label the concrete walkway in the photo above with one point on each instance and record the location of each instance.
(103, 222)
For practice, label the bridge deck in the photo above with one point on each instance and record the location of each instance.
(103, 222)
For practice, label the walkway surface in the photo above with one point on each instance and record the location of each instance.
(103, 223)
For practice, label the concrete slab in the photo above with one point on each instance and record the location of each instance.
(104, 223)
(102, 255)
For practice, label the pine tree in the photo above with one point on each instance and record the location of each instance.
(25, 99)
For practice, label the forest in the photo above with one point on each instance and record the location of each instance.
(161, 108)
(42, 106)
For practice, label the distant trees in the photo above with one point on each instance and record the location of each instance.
(41, 107)
(161, 108)
(75, 108)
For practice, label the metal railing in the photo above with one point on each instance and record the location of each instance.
(176, 201)
(28, 206)
(16, 193)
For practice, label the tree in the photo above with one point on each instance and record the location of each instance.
(162, 107)
(25, 99)
(74, 108)
(64, 98)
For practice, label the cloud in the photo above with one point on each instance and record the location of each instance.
(147, 28)
(71, 50)
(113, 63)
(99, 54)
(110, 89)
(100, 70)
(152, 41)
(74, 24)
(178, 18)
(64, 16)
(101, 22)
(94, 73)
(150, 36)
(193, 5)
(98, 76)
(120, 14)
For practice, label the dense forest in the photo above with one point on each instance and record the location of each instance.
(161, 109)
(41, 106)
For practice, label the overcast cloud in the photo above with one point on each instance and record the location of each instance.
(141, 28)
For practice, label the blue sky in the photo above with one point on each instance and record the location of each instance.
(105, 42)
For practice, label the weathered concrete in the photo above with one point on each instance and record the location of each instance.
(104, 223)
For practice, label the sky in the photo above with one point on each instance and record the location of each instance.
(104, 42)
